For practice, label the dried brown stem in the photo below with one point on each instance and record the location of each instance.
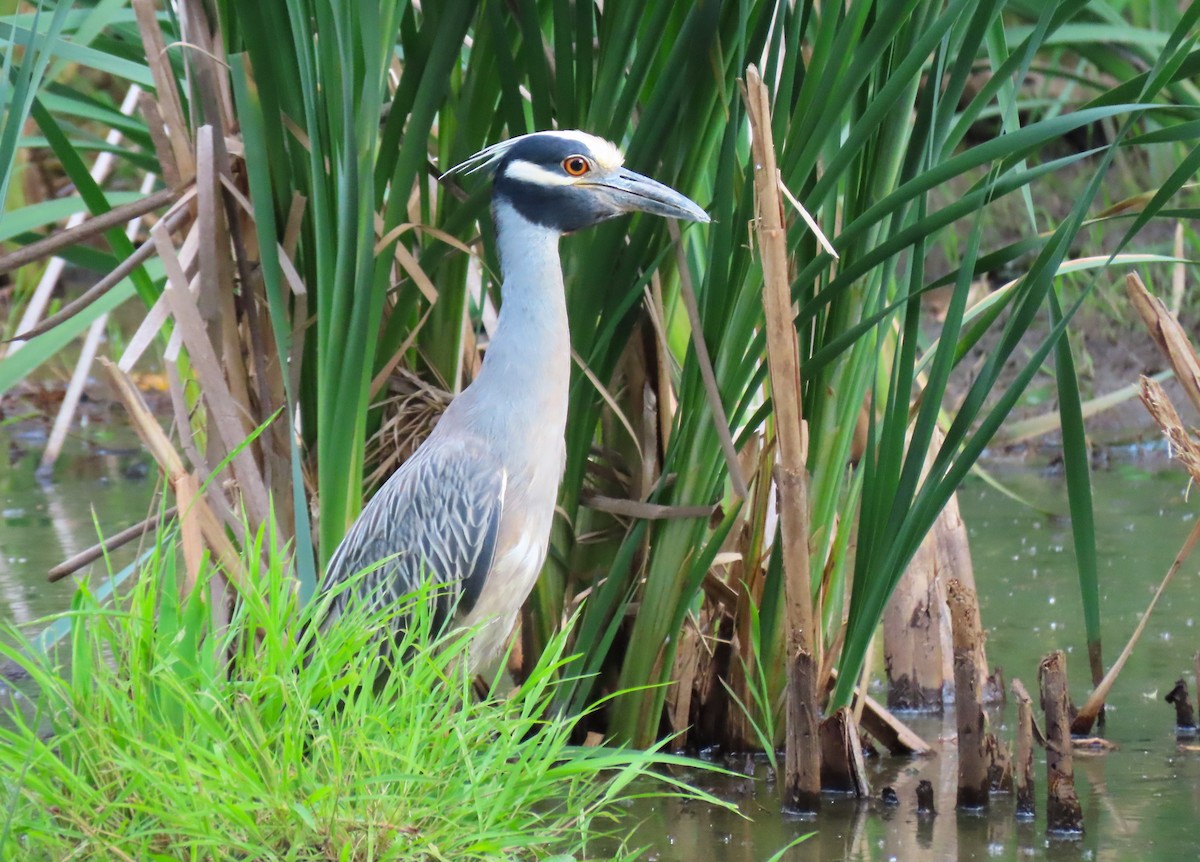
(707, 374)
(802, 781)
(1168, 334)
(925, 802)
(1184, 447)
(115, 217)
(96, 551)
(196, 517)
(639, 509)
(140, 255)
(915, 647)
(228, 416)
(169, 104)
(889, 731)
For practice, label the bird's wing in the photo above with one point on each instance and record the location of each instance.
(437, 518)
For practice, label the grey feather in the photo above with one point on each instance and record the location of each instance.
(436, 519)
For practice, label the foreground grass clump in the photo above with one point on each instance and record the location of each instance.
(149, 742)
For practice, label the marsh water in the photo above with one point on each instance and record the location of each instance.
(1141, 801)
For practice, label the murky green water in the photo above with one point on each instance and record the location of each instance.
(104, 481)
(1140, 802)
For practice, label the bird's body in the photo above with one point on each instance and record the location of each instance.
(472, 508)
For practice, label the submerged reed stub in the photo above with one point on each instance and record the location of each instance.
(973, 783)
(1023, 779)
(1064, 815)
(1185, 715)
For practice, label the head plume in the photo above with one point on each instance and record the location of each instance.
(489, 158)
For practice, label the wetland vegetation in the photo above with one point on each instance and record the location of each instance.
(765, 429)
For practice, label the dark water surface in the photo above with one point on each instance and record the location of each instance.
(1141, 802)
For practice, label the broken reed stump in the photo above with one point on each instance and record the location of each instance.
(882, 725)
(968, 707)
(999, 764)
(842, 768)
(917, 639)
(925, 797)
(1026, 806)
(802, 779)
(916, 635)
(1185, 716)
(1063, 811)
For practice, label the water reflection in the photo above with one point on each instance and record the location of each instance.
(100, 483)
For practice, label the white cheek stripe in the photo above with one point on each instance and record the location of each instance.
(528, 172)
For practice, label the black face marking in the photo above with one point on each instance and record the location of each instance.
(564, 208)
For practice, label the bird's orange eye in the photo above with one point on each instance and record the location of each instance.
(576, 166)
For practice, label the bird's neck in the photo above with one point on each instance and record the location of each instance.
(526, 370)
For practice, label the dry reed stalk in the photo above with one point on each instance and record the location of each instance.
(91, 342)
(87, 229)
(159, 138)
(925, 798)
(747, 550)
(140, 255)
(225, 414)
(883, 725)
(802, 782)
(683, 675)
(169, 106)
(917, 632)
(1168, 335)
(889, 731)
(999, 764)
(1184, 446)
(712, 392)
(98, 550)
(1091, 709)
(197, 517)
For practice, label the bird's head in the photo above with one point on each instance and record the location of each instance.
(567, 181)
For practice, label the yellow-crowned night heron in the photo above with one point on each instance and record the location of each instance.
(472, 508)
